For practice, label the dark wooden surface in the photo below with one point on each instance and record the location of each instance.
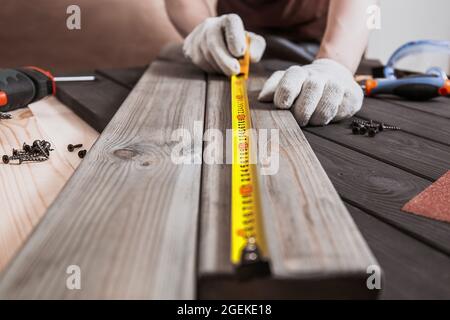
(374, 176)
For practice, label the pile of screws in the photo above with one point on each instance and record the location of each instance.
(72, 147)
(5, 116)
(37, 152)
(370, 127)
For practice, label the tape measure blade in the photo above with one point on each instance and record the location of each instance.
(247, 237)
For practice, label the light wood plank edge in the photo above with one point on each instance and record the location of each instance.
(138, 252)
(214, 240)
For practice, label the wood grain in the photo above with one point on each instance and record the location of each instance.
(417, 155)
(411, 269)
(422, 124)
(309, 229)
(313, 242)
(27, 190)
(409, 265)
(128, 217)
(214, 240)
(438, 106)
(380, 189)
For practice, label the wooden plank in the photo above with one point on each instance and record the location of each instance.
(417, 155)
(306, 235)
(128, 217)
(439, 106)
(380, 189)
(127, 77)
(411, 269)
(314, 244)
(26, 191)
(214, 240)
(421, 124)
(95, 102)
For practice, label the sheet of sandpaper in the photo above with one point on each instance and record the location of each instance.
(434, 201)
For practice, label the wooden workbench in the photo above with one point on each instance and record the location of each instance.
(375, 177)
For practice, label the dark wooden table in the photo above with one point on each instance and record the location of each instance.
(374, 176)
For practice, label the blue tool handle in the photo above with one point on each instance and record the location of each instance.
(419, 88)
(414, 48)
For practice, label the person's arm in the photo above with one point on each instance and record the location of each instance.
(347, 34)
(185, 15)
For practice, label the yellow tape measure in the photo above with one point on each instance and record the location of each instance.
(248, 247)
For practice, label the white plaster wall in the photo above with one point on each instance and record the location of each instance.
(406, 20)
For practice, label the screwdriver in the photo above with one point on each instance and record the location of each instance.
(22, 86)
(419, 88)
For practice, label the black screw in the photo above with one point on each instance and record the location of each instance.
(72, 147)
(38, 151)
(40, 147)
(358, 122)
(383, 126)
(356, 130)
(82, 153)
(373, 132)
(26, 147)
(371, 127)
(33, 158)
(5, 116)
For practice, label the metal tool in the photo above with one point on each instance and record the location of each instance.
(248, 247)
(416, 87)
(22, 86)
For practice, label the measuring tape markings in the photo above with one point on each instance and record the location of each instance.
(247, 237)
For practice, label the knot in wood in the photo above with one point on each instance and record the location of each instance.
(125, 154)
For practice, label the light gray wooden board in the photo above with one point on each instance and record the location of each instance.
(214, 241)
(128, 216)
(315, 248)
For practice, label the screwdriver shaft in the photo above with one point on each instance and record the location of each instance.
(69, 79)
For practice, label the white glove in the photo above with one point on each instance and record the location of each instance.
(215, 44)
(318, 93)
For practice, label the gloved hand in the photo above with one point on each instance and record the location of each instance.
(318, 93)
(216, 43)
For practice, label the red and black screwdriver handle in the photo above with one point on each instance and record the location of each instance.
(22, 86)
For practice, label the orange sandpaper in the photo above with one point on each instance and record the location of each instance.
(434, 201)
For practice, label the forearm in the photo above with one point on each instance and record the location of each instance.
(185, 15)
(347, 34)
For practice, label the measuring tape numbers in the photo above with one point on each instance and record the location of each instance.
(248, 244)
